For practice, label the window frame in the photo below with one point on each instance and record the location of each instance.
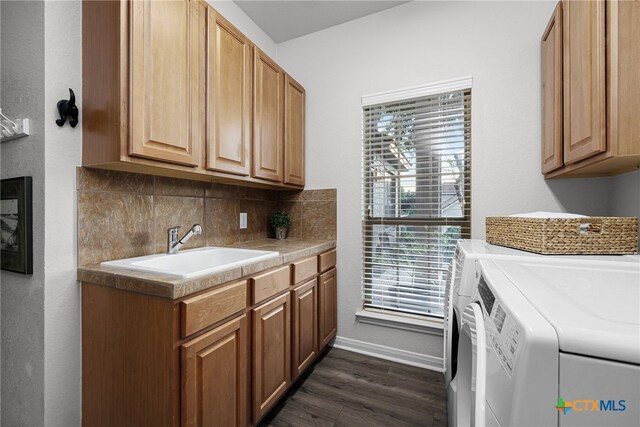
(368, 222)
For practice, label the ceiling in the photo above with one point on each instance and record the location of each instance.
(286, 20)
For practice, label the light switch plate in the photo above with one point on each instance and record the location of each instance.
(243, 220)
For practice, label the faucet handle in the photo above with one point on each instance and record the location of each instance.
(172, 238)
(173, 232)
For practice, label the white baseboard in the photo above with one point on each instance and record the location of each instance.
(390, 353)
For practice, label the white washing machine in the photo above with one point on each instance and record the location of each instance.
(551, 343)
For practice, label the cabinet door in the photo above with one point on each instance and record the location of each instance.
(305, 326)
(623, 86)
(327, 307)
(293, 132)
(271, 353)
(584, 79)
(167, 63)
(267, 118)
(229, 97)
(214, 377)
(552, 93)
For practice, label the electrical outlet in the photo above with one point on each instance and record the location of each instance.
(243, 220)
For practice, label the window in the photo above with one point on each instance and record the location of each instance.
(416, 195)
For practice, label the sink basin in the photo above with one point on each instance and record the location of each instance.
(193, 262)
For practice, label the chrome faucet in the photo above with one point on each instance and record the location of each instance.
(174, 244)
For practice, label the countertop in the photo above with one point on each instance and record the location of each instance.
(290, 250)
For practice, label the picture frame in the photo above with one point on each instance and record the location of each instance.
(16, 223)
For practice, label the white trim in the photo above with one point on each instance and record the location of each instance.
(389, 353)
(423, 326)
(459, 83)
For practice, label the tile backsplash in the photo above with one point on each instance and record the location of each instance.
(122, 215)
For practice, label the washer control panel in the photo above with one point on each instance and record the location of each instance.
(502, 331)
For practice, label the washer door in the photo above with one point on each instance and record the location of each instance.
(448, 332)
(450, 340)
(472, 369)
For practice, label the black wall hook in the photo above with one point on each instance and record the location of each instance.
(68, 109)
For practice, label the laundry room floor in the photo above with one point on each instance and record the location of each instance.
(352, 389)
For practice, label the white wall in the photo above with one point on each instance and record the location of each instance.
(498, 43)
(63, 70)
(237, 17)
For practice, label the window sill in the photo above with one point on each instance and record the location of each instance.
(432, 327)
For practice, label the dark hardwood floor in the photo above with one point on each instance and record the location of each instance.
(352, 389)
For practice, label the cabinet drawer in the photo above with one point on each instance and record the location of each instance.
(327, 260)
(304, 269)
(269, 284)
(206, 309)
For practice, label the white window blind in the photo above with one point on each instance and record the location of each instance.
(416, 197)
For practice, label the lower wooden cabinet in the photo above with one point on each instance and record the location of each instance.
(214, 377)
(221, 357)
(327, 307)
(271, 353)
(304, 319)
(130, 360)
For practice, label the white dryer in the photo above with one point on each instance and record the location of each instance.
(462, 282)
(551, 344)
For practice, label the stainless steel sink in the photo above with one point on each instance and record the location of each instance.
(194, 262)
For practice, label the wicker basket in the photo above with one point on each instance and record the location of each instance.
(602, 235)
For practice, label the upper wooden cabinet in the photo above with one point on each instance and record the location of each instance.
(552, 93)
(584, 79)
(623, 82)
(167, 120)
(600, 49)
(293, 132)
(268, 110)
(172, 88)
(229, 97)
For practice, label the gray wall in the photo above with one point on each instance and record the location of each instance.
(498, 43)
(625, 195)
(22, 297)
